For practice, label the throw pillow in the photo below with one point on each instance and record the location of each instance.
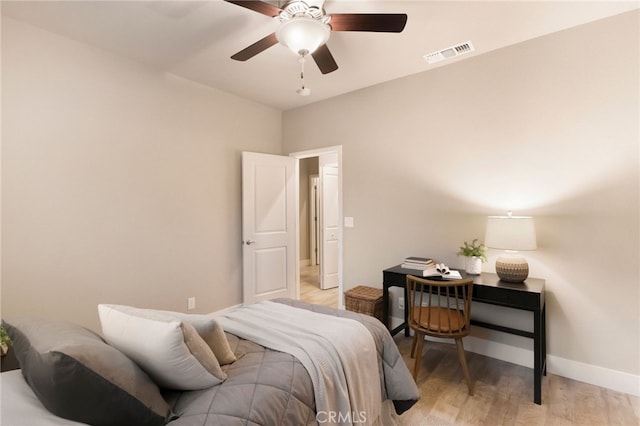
(77, 376)
(168, 349)
(211, 332)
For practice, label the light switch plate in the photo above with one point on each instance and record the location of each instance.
(348, 222)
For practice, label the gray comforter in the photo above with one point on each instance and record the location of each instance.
(266, 387)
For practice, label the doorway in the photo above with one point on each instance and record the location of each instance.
(320, 227)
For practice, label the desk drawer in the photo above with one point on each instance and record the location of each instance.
(505, 297)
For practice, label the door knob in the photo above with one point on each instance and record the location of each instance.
(249, 242)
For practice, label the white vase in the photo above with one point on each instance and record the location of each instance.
(473, 265)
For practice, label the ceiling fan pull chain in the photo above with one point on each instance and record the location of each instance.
(303, 91)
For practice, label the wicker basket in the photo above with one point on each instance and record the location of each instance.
(364, 300)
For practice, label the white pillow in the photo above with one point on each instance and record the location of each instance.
(168, 349)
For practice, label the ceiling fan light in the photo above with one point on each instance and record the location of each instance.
(303, 34)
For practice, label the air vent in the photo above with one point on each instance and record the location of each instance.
(449, 52)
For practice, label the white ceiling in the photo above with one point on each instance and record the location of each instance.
(195, 40)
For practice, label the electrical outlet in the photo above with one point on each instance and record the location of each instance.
(401, 302)
(191, 303)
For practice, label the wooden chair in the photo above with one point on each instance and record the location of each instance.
(439, 309)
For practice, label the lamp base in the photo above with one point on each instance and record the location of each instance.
(512, 267)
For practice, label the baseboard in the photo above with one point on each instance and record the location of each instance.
(576, 370)
(595, 375)
(226, 310)
(512, 354)
(395, 322)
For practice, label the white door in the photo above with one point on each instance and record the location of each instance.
(330, 223)
(268, 227)
(314, 221)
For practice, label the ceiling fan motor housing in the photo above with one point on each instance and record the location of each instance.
(302, 34)
(301, 8)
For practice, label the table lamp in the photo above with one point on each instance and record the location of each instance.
(511, 233)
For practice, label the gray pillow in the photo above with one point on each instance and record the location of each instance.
(77, 376)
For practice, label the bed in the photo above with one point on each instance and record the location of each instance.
(262, 386)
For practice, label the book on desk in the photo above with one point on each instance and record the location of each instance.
(427, 268)
(418, 263)
(442, 271)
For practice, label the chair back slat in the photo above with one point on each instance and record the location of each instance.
(440, 308)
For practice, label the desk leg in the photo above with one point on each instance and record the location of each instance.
(538, 350)
(406, 313)
(385, 305)
(544, 339)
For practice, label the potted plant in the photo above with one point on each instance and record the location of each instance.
(5, 341)
(474, 254)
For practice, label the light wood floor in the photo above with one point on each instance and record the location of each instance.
(310, 290)
(503, 392)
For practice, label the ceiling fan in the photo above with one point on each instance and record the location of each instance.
(305, 29)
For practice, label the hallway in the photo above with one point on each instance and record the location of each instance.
(310, 288)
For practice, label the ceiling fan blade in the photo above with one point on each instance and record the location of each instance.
(374, 22)
(324, 59)
(258, 6)
(255, 48)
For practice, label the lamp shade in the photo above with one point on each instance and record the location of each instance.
(510, 233)
(303, 34)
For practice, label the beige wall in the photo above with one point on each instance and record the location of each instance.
(547, 128)
(120, 184)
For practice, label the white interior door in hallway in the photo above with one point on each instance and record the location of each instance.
(329, 225)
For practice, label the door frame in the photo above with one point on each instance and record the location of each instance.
(337, 149)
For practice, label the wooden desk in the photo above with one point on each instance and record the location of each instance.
(487, 288)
